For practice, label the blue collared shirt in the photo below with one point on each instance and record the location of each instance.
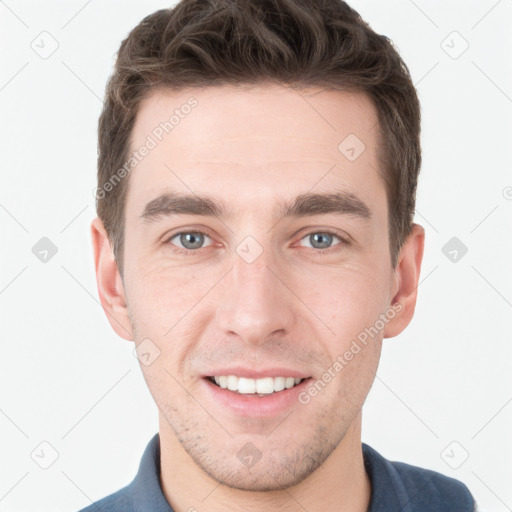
(396, 487)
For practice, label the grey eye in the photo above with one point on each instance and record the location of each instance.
(190, 240)
(321, 240)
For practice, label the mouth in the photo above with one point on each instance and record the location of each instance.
(261, 387)
(256, 393)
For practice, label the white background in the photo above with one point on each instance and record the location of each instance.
(444, 386)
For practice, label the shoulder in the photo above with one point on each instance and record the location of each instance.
(414, 488)
(143, 493)
(426, 487)
(120, 500)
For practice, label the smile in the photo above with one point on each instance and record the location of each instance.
(261, 387)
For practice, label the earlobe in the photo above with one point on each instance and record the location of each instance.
(406, 278)
(109, 282)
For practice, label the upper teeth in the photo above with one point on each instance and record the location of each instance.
(265, 386)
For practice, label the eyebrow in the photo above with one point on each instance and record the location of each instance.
(340, 203)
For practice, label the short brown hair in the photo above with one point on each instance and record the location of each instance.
(298, 43)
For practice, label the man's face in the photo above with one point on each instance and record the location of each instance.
(260, 295)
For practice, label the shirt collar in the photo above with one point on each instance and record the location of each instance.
(146, 490)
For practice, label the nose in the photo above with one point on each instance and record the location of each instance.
(255, 303)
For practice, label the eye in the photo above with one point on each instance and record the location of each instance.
(192, 241)
(323, 240)
(189, 240)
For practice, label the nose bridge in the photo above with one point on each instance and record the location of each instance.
(255, 303)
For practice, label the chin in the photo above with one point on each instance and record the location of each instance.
(265, 479)
(271, 470)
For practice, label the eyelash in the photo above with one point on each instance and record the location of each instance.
(191, 252)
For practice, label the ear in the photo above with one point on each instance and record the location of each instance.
(406, 277)
(110, 284)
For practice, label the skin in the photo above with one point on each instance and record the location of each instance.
(291, 307)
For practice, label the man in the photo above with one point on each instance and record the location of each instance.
(258, 163)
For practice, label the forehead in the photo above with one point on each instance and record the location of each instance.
(254, 143)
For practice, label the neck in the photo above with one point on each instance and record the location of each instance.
(340, 483)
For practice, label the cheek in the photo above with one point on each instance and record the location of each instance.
(348, 299)
(359, 365)
(163, 305)
(159, 297)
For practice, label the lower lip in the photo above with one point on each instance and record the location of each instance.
(254, 405)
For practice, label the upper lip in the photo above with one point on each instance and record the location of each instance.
(250, 373)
